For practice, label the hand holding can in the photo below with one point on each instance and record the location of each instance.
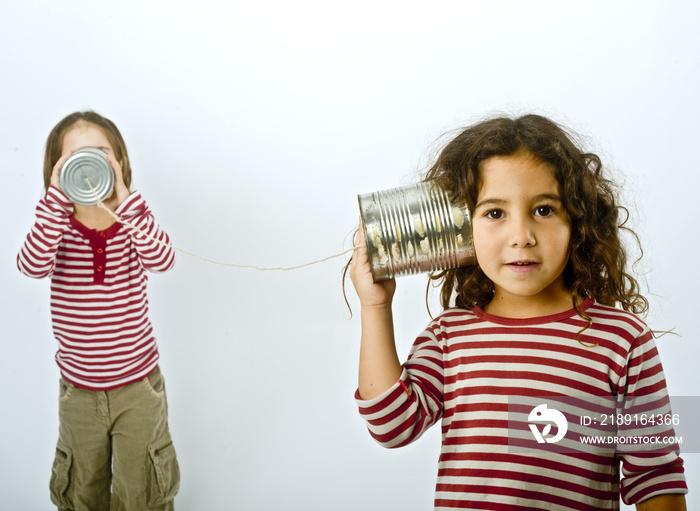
(372, 293)
(415, 229)
(55, 179)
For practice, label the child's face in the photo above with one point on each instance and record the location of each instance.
(521, 236)
(84, 134)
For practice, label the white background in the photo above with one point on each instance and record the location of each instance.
(252, 127)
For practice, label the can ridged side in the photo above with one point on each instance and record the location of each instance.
(414, 229)
(85, 170)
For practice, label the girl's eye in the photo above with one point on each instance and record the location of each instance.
(544, 211)
(494, 214)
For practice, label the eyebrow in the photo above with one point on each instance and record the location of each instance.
(537, 198)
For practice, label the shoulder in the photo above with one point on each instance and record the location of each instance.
(454, 316)
(611, 318)
(620, 330)
(452, 322)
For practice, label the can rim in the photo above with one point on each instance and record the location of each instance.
(89, 160)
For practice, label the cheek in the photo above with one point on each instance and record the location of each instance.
(485, 242)
(477, 236)
(560, 241)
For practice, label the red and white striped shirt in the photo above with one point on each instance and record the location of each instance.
(461, 371)
(99, 306)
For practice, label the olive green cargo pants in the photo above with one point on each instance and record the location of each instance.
(114, 450)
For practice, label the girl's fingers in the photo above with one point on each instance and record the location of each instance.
(61, 161)
(360, 233)
(115, 166)
(122, 192)
(55, 174)
(361, 256)
(370, 292)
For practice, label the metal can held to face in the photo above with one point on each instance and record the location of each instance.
(87, 164)
(415, 229)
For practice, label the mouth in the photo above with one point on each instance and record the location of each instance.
(522, 266)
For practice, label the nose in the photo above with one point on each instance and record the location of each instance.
(522, 233)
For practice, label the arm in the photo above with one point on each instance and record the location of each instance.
(663, 503)
(379, 362)
(653, 474)
(398, 402)
(37, 257)
(150, 241)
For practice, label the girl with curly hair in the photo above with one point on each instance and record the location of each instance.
(549, 309)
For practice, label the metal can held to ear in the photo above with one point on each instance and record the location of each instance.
(415, 229)
(85, 164)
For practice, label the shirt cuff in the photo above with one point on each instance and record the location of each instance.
(401, 384)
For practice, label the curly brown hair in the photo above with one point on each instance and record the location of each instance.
(54, 142)
(597, 266)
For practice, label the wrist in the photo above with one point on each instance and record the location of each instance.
(122, 195)
(376, 308)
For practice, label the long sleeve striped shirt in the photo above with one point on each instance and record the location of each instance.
(466, 366)
(99, 306)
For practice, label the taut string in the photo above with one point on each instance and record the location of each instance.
(250, 266)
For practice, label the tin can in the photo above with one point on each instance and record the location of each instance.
(415, 229)
(84, 168)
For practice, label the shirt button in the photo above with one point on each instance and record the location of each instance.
(99, 268)
(99, 250)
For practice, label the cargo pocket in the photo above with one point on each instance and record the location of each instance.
(164, 472)
(60, 476)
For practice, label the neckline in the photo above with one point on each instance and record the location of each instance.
(538, 320)
(107, 233)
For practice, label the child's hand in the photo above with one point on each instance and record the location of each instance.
(55, 173)
(371, 294)
(120, 189)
